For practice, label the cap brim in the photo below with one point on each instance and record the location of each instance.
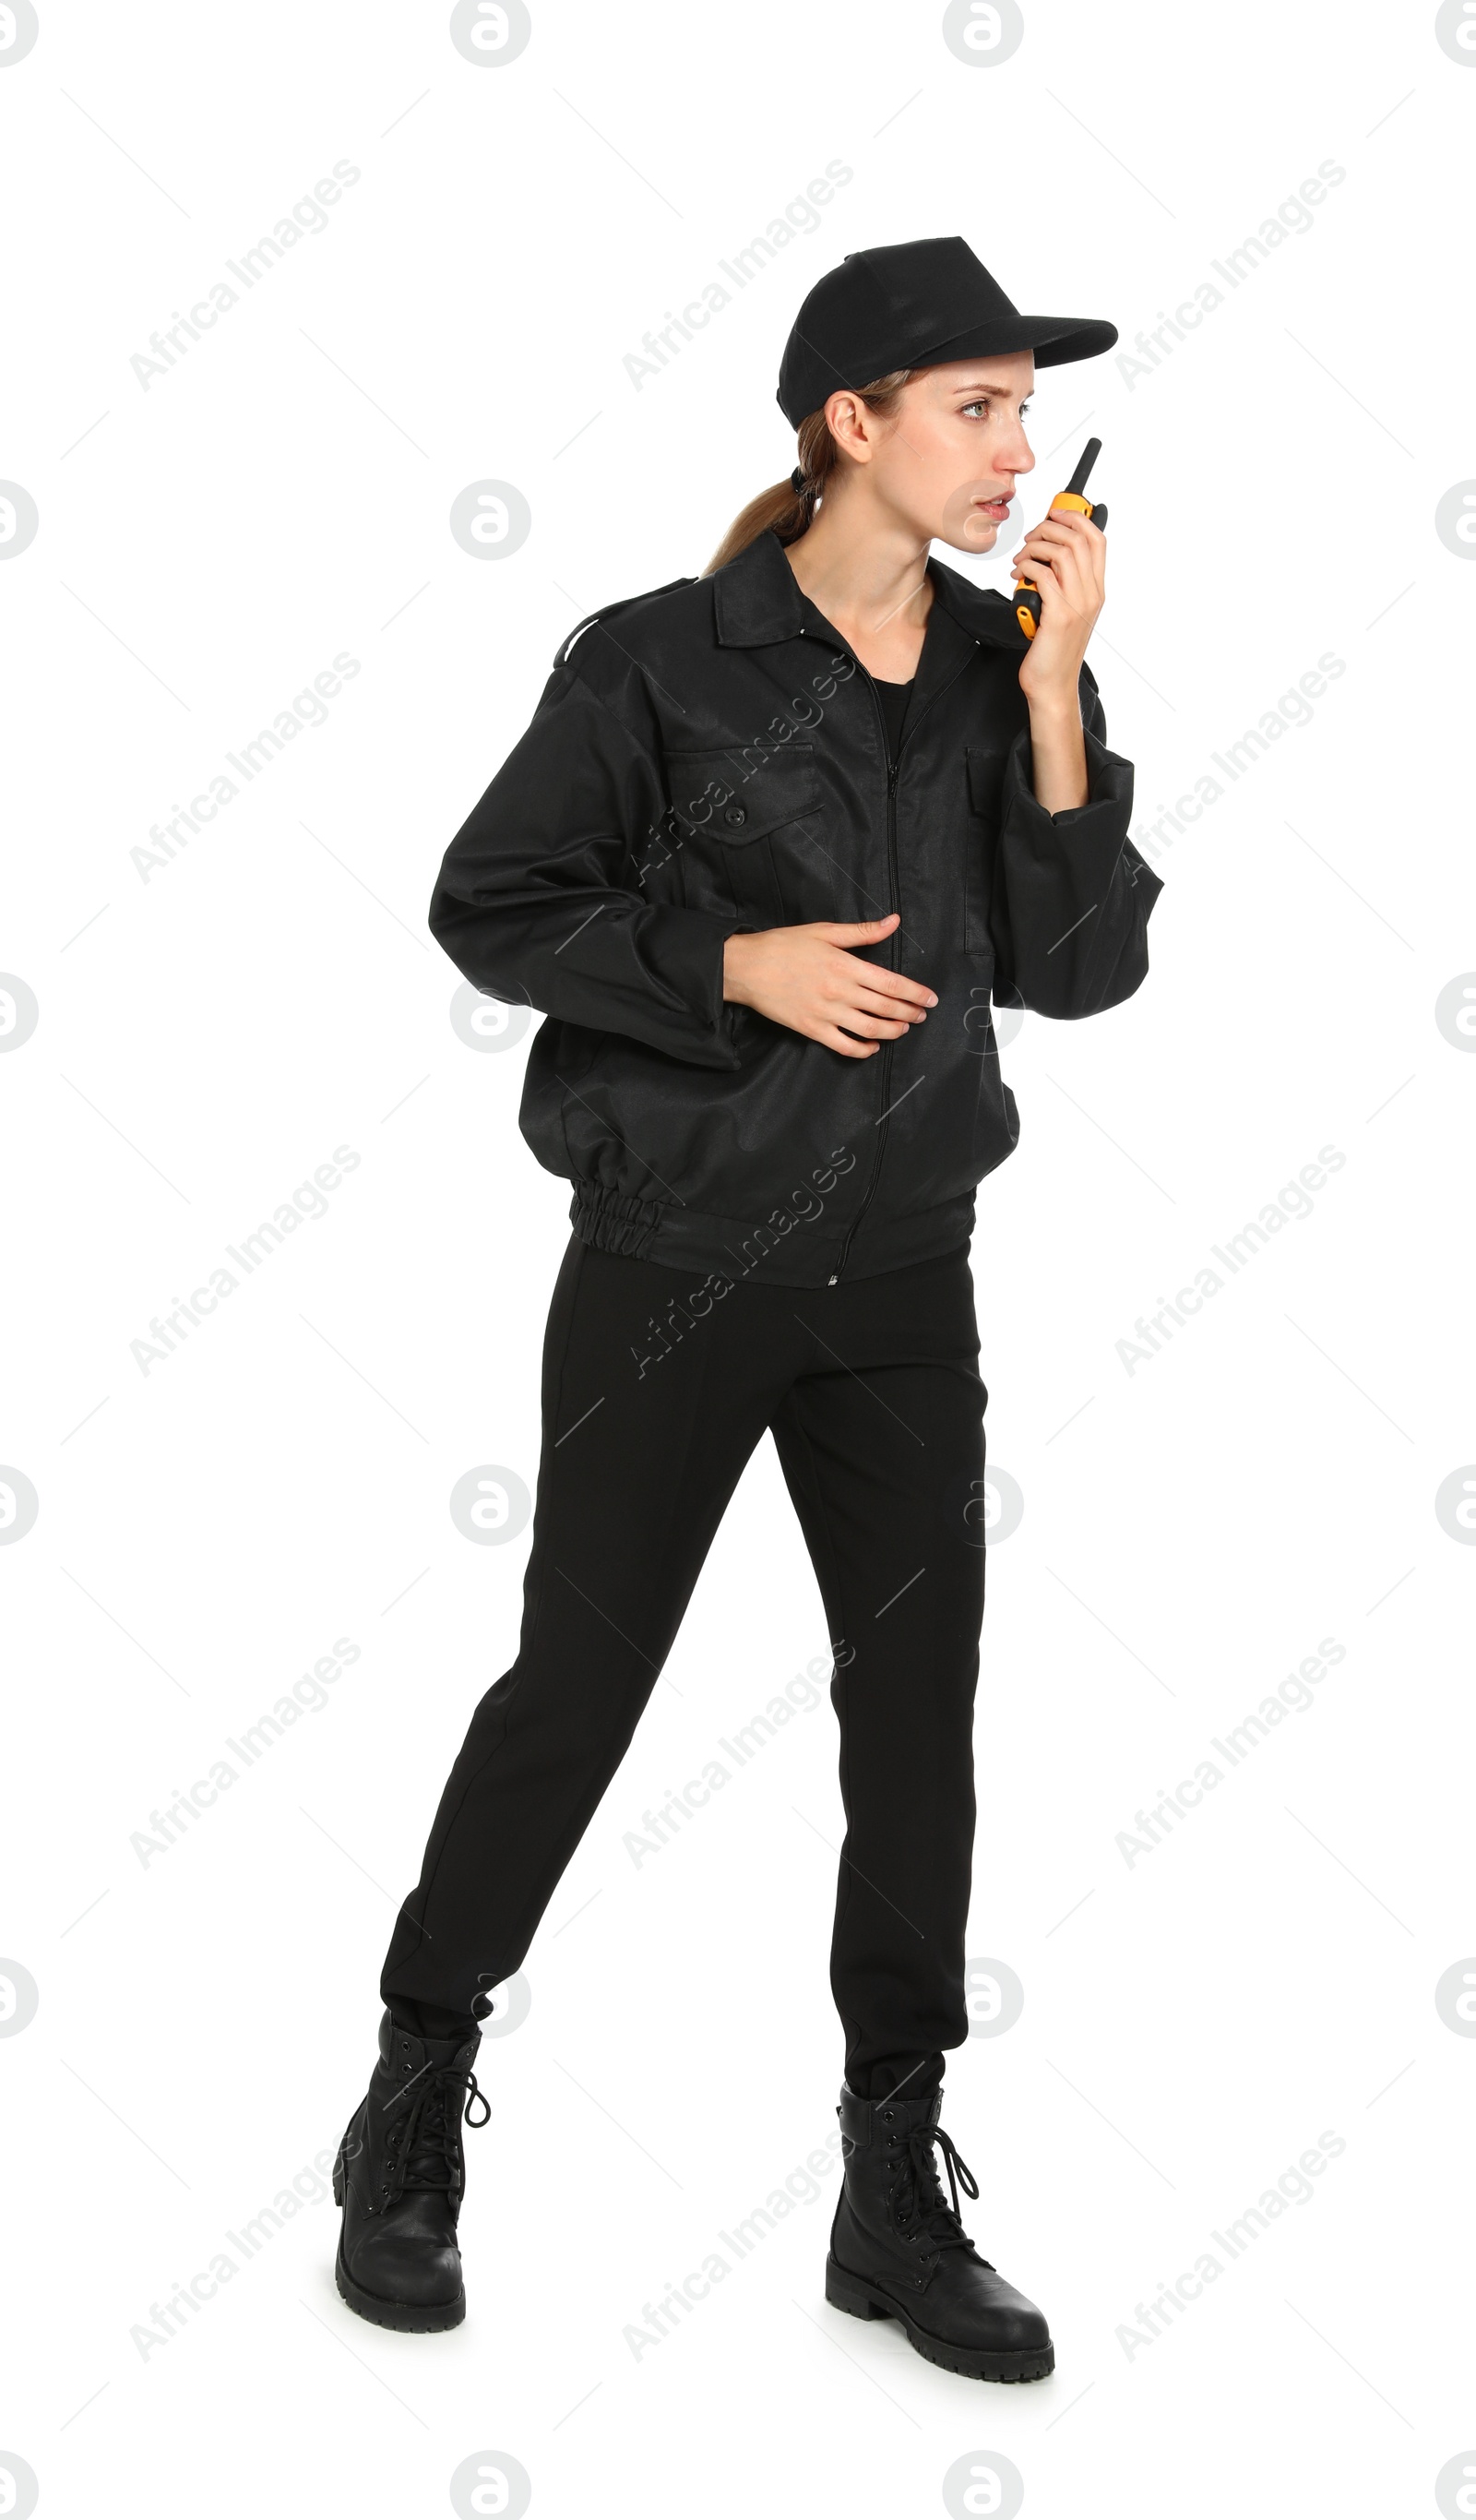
(1055, 339)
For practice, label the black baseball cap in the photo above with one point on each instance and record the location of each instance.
(915, 306)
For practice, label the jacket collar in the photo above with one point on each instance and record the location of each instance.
(757, 601)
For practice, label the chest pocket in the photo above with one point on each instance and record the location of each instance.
(743, 828)
(981, 831)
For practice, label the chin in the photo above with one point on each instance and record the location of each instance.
(979, 536)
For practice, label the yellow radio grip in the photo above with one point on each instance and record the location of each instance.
(1026, 613)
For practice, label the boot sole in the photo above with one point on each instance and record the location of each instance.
(848, 2292)
(409, 2318)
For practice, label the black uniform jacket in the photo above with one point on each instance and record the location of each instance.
(712, 757)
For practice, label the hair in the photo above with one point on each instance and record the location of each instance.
(785, 510)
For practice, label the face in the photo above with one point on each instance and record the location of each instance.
(945, 462)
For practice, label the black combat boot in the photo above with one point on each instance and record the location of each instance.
(399, 2176)
(898, 2249)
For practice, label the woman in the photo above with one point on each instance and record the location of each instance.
(771, 840)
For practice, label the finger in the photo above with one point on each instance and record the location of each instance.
(1078, 559)
(1076, 533)
(876, 978)
(876, 1002)
(1064, 532)
(855, 931)
(1050, 528)
(834, 1039)
(1039, 546)
(876, 1020)
(1069, 564)
(1041, 554)
(870, 1027)
(1068, 574)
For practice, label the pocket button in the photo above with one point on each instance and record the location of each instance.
(735, 816)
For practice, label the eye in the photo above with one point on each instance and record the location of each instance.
(983, 405)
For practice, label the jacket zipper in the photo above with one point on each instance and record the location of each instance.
(894, 887)
(893, 903)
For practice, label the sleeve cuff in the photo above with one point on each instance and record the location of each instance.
(1110, 791)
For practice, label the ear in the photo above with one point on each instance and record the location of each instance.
(849, 423)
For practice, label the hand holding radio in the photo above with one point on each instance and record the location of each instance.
(1061, 573)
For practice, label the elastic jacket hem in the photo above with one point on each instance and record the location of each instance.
(781, 1251)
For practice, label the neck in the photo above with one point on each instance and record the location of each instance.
(867, 575)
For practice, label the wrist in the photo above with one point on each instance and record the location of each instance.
(1056, 706)
(733, 966)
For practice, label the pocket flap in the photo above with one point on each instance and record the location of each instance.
(730, 796)
(986, 780)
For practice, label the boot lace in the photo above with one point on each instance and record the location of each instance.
(923, 2213)
(423, 2146)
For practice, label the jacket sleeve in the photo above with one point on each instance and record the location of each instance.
(539, 898)
(1071, 895)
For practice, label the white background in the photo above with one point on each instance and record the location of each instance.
(1194, 2021)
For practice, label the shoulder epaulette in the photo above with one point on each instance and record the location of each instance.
(608, 612)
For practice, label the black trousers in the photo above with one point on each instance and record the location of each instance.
(656, 1388)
